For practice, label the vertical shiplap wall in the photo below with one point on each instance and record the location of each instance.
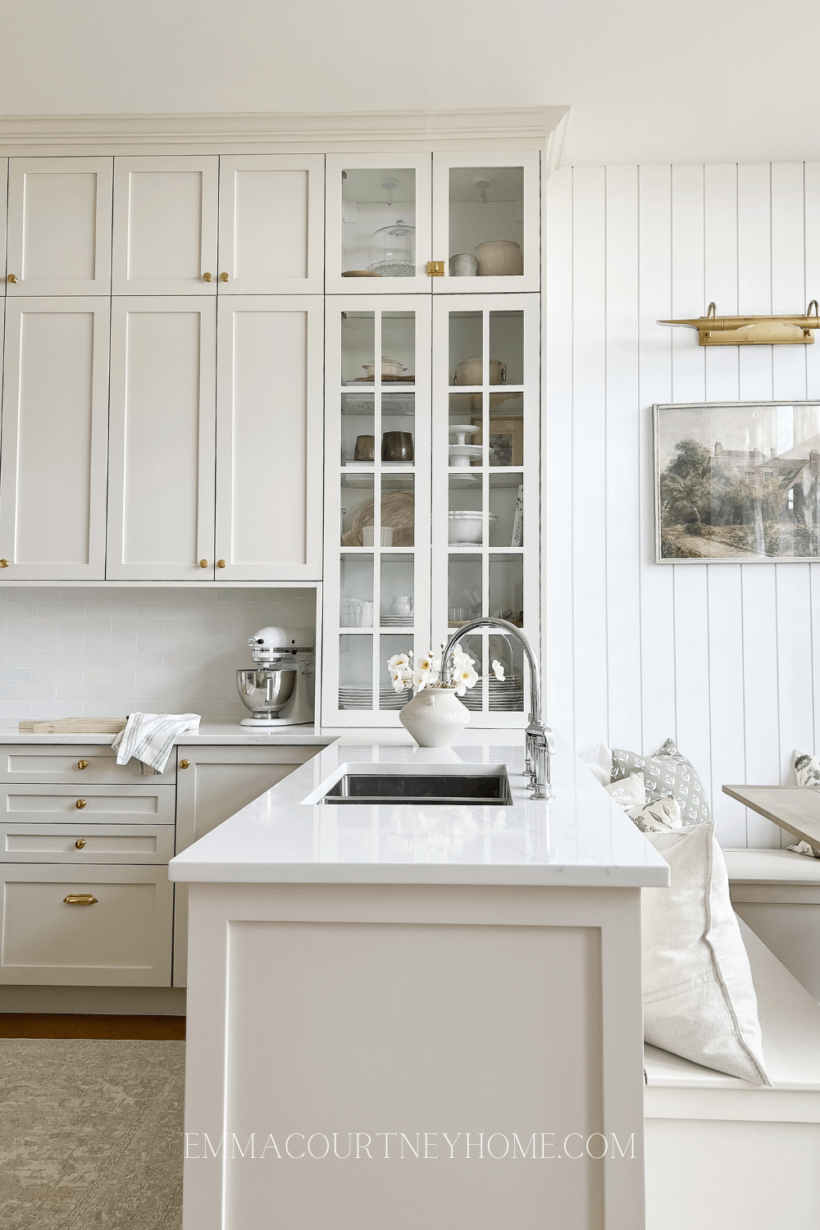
(723, 658)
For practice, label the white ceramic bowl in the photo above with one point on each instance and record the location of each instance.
(499, 258)
(465, 527)
(390, 367)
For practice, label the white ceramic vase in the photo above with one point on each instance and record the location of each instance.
(434, 717)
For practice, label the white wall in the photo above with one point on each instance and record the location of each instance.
(67, 652)
(646, 80)
(724, 658)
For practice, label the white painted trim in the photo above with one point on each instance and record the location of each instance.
(287, 132)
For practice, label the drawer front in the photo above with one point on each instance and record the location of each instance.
(26, 804)
(122, 939)
(80, 844)
(49, 763)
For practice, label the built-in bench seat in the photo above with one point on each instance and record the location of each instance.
(777, 893)
(722, 1154)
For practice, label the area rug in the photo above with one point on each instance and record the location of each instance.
(90, 1134)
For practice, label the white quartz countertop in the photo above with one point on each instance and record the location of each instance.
(216, 733)
(579, 839)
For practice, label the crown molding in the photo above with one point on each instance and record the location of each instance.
(287, 132)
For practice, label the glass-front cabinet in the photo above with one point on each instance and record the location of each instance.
(378, 224)
(434, 482)
(419, 222)
(485, 498)
(377, 506)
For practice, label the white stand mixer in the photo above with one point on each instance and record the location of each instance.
(279, 688)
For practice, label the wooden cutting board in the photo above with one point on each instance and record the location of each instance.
(72, 726)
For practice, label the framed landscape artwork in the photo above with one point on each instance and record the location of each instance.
(737, 482)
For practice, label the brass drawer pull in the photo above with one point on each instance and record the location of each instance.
(224, 277)
(79, 899)
(184, 764)
(80, 804)
(220, 563)
(11, 278)
(206, 277)
(82, 764)
(203, 563)
(79, 843)
(4, 563)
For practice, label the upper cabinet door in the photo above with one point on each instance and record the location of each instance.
(161, 472)
(486, 222)
(55, 427)
(59, 226)
(269, 438)
(378, 224)
(271, 224)
(165, 222)
(4, 171)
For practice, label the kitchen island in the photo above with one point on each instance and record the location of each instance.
(417, 1015)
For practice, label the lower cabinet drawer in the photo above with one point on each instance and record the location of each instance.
(121, 937)
(57, 763)
(93, 805)
(91, 843)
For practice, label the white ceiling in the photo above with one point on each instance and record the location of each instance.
(647, 80)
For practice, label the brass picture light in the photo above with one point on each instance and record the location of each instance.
(714, 330)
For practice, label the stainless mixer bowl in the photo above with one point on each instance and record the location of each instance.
(266, 690)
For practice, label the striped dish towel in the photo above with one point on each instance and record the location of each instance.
(149, 737)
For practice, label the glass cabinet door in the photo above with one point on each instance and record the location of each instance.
(378, 224)
(377, 475)
(486, 222)
(486, 449)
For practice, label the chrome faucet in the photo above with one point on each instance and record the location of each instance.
(540, 741)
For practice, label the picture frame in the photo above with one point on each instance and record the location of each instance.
(506, 437)
(737, 482)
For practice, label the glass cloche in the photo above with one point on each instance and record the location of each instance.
(393, 251)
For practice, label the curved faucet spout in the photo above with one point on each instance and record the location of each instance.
(540, 743)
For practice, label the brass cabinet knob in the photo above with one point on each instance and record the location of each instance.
(223, 277)
(4, 563)
(79, 843)
(220, 563)
(203, 563)
(435, 269)
(80, 899)
(206, 277)
(82, 764)
(184, 764)
(11, 278)
(80, 804)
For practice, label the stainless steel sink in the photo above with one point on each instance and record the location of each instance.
(466, 789)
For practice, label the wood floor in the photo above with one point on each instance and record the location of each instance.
(77, 1025)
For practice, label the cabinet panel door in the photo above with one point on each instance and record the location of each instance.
(269, 438)
(161, 474)
(60, 226)
(378, 214)
(4, 172)
(55, 427)
(218, 782)
(165, 222)
(271, 224)
(487, 206)
(122, 938)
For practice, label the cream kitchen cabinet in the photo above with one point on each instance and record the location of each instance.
(387, 218)
(59, 226)
(271, 224)
(213, 783)
(269, 438)
(161, 498)
(185, 463)
(55, 429)
(4, 172)
(165, 225)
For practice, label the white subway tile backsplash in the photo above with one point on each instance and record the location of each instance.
(68, 652)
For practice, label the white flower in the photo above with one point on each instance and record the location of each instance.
(420, 679)
(427, 663)
(397, 661)
(398, 680)
(498, 669)
(464, 678)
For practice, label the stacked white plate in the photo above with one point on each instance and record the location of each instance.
(362, 698)
(506, 696)
(396, 621)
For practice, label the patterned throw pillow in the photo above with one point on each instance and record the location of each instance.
(666, 774)
(807, 769)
